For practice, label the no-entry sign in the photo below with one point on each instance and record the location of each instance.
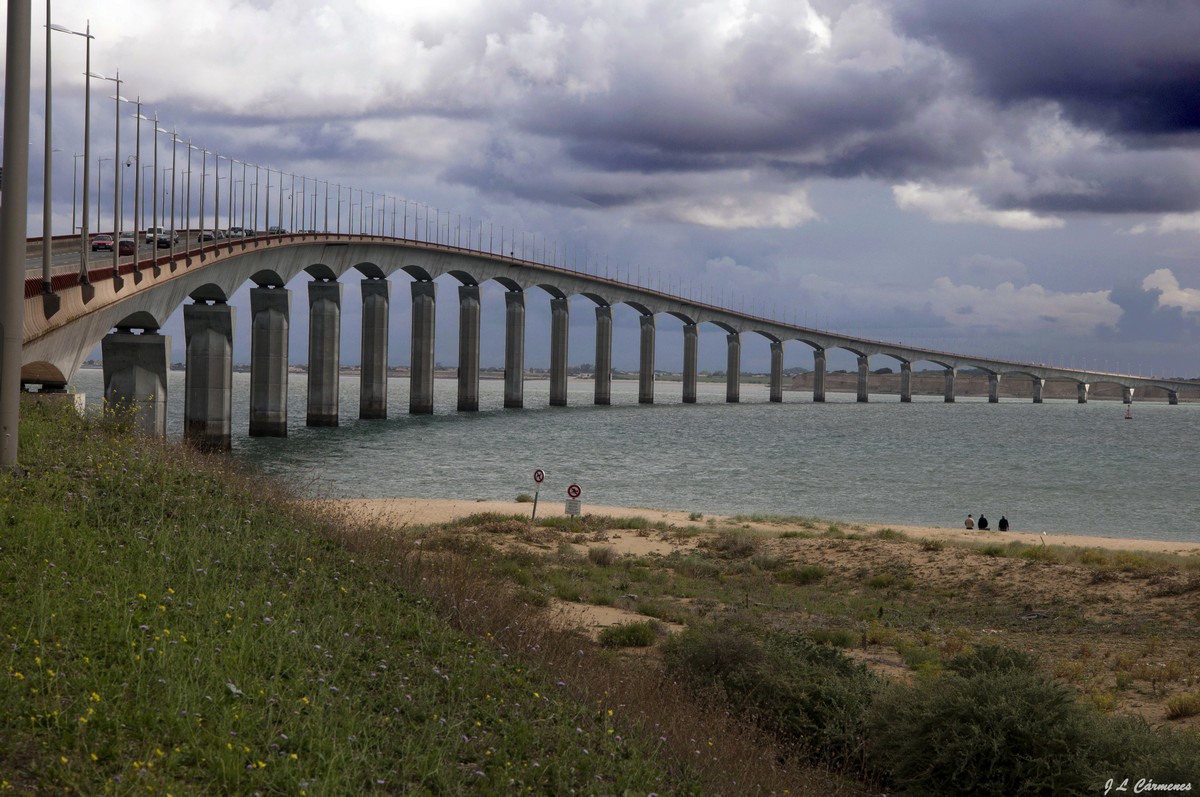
(539, 476)
(573, 491)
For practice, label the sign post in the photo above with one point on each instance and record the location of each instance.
(539, 476)
(573, 507)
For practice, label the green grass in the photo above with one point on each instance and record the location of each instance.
(171, 627)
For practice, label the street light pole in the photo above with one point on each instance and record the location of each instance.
(84, 228)
(116, 255)
(74, 189)
(47, 161)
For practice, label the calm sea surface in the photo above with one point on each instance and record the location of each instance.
(1054, 467)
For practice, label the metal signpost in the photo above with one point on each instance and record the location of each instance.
(539, 476)
(573, 508)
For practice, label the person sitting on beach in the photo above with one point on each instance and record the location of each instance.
(1003, 525)
(969, 523)
(982, 523)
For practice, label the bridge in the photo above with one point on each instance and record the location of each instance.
(123, 301)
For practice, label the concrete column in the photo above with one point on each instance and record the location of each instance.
(208, 379)
(733, 367)
(514, 349)
(270, 320)
(906, 382)
(993, 388)
(1127, 395)
(603, 354)
(324, 351)
(1038, 384)
(948, 392)
(646, 369)
(863, 374)
(560, 321)
(468, 348)
(135, 377)
(372, 392)
(1172, 397)
(818, 375)
(1082, 392)
(691, 348)
(777, 371)
(420, 370)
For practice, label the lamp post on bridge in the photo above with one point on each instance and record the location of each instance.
(74, 189)
(116, 252)
(99, 188)
(85, 227)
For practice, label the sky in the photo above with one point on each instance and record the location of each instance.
(1017, 178)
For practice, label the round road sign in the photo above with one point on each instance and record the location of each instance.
(539, 476)
(573, 491)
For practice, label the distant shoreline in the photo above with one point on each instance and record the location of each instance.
(424, 511)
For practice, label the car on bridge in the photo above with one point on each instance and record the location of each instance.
(102, 242)
(127, 246)
(165, 239)
(206, 235)
(276, 231)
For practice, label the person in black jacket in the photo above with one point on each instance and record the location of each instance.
(982, 523)
(1003, 525)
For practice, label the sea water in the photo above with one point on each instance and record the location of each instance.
(1058, 467)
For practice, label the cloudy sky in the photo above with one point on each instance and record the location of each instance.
(1017, 178)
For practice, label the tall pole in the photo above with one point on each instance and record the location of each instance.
(85, 229)
(74, 190)
(12, 223)
(137, 180)
(116, 252)
(203, 179)
(46, 170)
(154, 222)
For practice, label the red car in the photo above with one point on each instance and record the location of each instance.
(104, 242)
(126, 246)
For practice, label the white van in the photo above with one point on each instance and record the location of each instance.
(153, 233)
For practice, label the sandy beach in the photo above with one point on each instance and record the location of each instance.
(424, 511)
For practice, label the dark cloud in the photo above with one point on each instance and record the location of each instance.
(1128, 67)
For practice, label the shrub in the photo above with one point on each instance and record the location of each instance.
(602, 555)
(992, 659)
(805, 574)
(524, 498)
(734, 544)
(696, 516)
(630, 635)
(992, 733)
(1181, 706)
(806, 692)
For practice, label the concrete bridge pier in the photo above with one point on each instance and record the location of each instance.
(1172, 397)
(1127, 395)
(906, 382)
(863, 373)
(1038, 385)
(993, 388)
(733, 367)
(691, 348)
(424, 306)
(560, 318)
(208, 376)
(376, 303)
(270, 319)
(514, 350)
(603, 354)
(777, 371)
(468, 348)
(1082, 391)
(948, 391)
(324, 351)
(135, 377)
(818, 375)
(646, 367)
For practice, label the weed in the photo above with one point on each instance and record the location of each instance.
(696, 516)
(1181, 706)
(805, 574)
(602, 555)
(630, 635)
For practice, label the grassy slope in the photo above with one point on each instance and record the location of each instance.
(169, 628)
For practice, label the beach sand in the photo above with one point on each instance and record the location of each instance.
(399, 512)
